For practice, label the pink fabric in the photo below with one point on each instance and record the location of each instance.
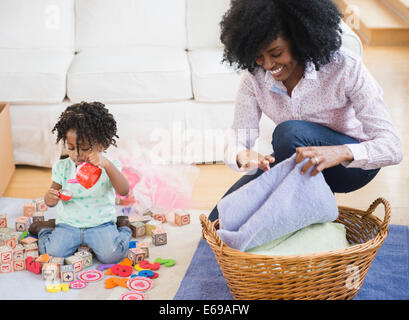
(342, 95)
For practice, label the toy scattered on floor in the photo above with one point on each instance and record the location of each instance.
(53, 288)
(139, 284)
(182, 218)
(32, 265)
(103, 267)
(120, 270)
(76, 261)
(86, 257)
(38, 216)
(166, 262)
(136, 255)
(49, 272)
(86, 175)
(90, 275)
(159, 237)
(3, 220)
(114, 282)
(146, 273)
(133, 295)
(138, 229)
(67, 273)
(78, 284)
(65, 195)
(22, 223)
(145, 264)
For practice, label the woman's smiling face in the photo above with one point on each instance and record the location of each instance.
(278, 60)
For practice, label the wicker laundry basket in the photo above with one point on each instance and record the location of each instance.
(337, 274)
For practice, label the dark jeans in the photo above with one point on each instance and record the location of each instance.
(292, 134)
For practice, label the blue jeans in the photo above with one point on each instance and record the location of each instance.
(292, 134)
(109, 243)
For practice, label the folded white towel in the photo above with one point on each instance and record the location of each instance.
(278, 202)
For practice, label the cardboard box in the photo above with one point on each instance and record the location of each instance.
(7, 165)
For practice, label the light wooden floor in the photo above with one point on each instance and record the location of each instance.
(389, 65)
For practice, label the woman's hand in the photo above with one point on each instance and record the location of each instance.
(97, 159)
(322, 157)
(248, 160)
(51, 198)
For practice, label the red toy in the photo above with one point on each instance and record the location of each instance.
(121, 270)
(32, 265)
(145, 264)
(87, 175)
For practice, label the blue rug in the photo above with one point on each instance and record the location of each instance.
(387, 278)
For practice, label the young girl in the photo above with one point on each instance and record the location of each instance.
(89, 218)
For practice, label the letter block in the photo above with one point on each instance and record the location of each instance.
(49, 272)
(22, 223)
(138, 229)
(19, 265)
(151, 225)
(86, 256)
(136, 255)
(18, 252)
(143, 246)
(6, 254)
(76, 261)
(6, 267)
(38, 216)
(3, 220)
(40, 205)
(182, 218)
(11, 241)
(29, 209)
(67, 273)
(159, 237)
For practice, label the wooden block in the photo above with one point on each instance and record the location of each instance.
(160, 217)
(159, 237)
(43, 259)
(22, 223)
(11, 240)
(33, 253)
(29, 209)
(182, 218)
(40, 205)
(3, 220)
(67, 273)
(151, 225)
(6, 267)
(38, 216)
(59, 261)
(18, 252)
(49, 272)
(31, 247)
(138, 229)
(76, 261)
(136, 255)
(19, 265)
(28, 240)
(143, 246)
(86, 256)
(6, 254)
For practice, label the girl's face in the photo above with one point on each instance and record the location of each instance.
(84, 148)
(278, 60)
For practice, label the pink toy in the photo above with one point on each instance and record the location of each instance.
(86, 174)
(65, 195)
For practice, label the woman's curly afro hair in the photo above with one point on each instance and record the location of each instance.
(311, 26)
(92, 122)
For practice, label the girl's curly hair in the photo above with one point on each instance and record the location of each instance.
(311, 26)
(91, 121)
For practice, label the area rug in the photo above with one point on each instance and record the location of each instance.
(387, 278)
(181, 244)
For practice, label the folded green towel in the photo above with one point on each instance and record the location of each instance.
(314, 238)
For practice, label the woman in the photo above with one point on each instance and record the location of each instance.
(325, 104)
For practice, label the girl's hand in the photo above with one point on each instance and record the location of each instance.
(97, 159)
(248, 160)
(51, 198)
(322, 157)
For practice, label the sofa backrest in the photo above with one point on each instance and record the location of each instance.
(37, 24)
(108, 23)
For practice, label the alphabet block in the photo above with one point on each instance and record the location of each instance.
(151, 225)
(159, 237)
(182, 218)
(76, 261)
(160, 217)
(19, 265)
(18, 252)
(86, 257)
(3, 220)
(29, 209)
(40, 205)
(28, 240)
(67, 273)
(138, 229)
(136, 255)
(22, 223)
(38, 216)
(11, 240)
(49, 272)
(143, 246)
(6, 267)
(31, 247)
(33, 254)
(6, 254)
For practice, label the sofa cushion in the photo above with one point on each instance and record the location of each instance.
(125, 75)
(37, 24)
(33, 75)
(101, 23)
(212, 81)
(203, 18)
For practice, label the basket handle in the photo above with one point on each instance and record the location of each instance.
(208, 228)
(387, 206)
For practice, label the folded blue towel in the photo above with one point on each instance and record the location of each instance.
(276, 203)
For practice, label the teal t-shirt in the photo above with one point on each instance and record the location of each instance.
(88, 207)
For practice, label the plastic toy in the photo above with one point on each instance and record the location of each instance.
(133, 295)
(114, 282)
(103, 267)
(147, 265)
(86, 175)
(166, 262)
(57, 287)
(90, 275)
(120, 270)
(32, 265)
(78, 284)
(65, 195)
(139, 284)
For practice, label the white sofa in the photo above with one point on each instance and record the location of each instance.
(156, 64)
